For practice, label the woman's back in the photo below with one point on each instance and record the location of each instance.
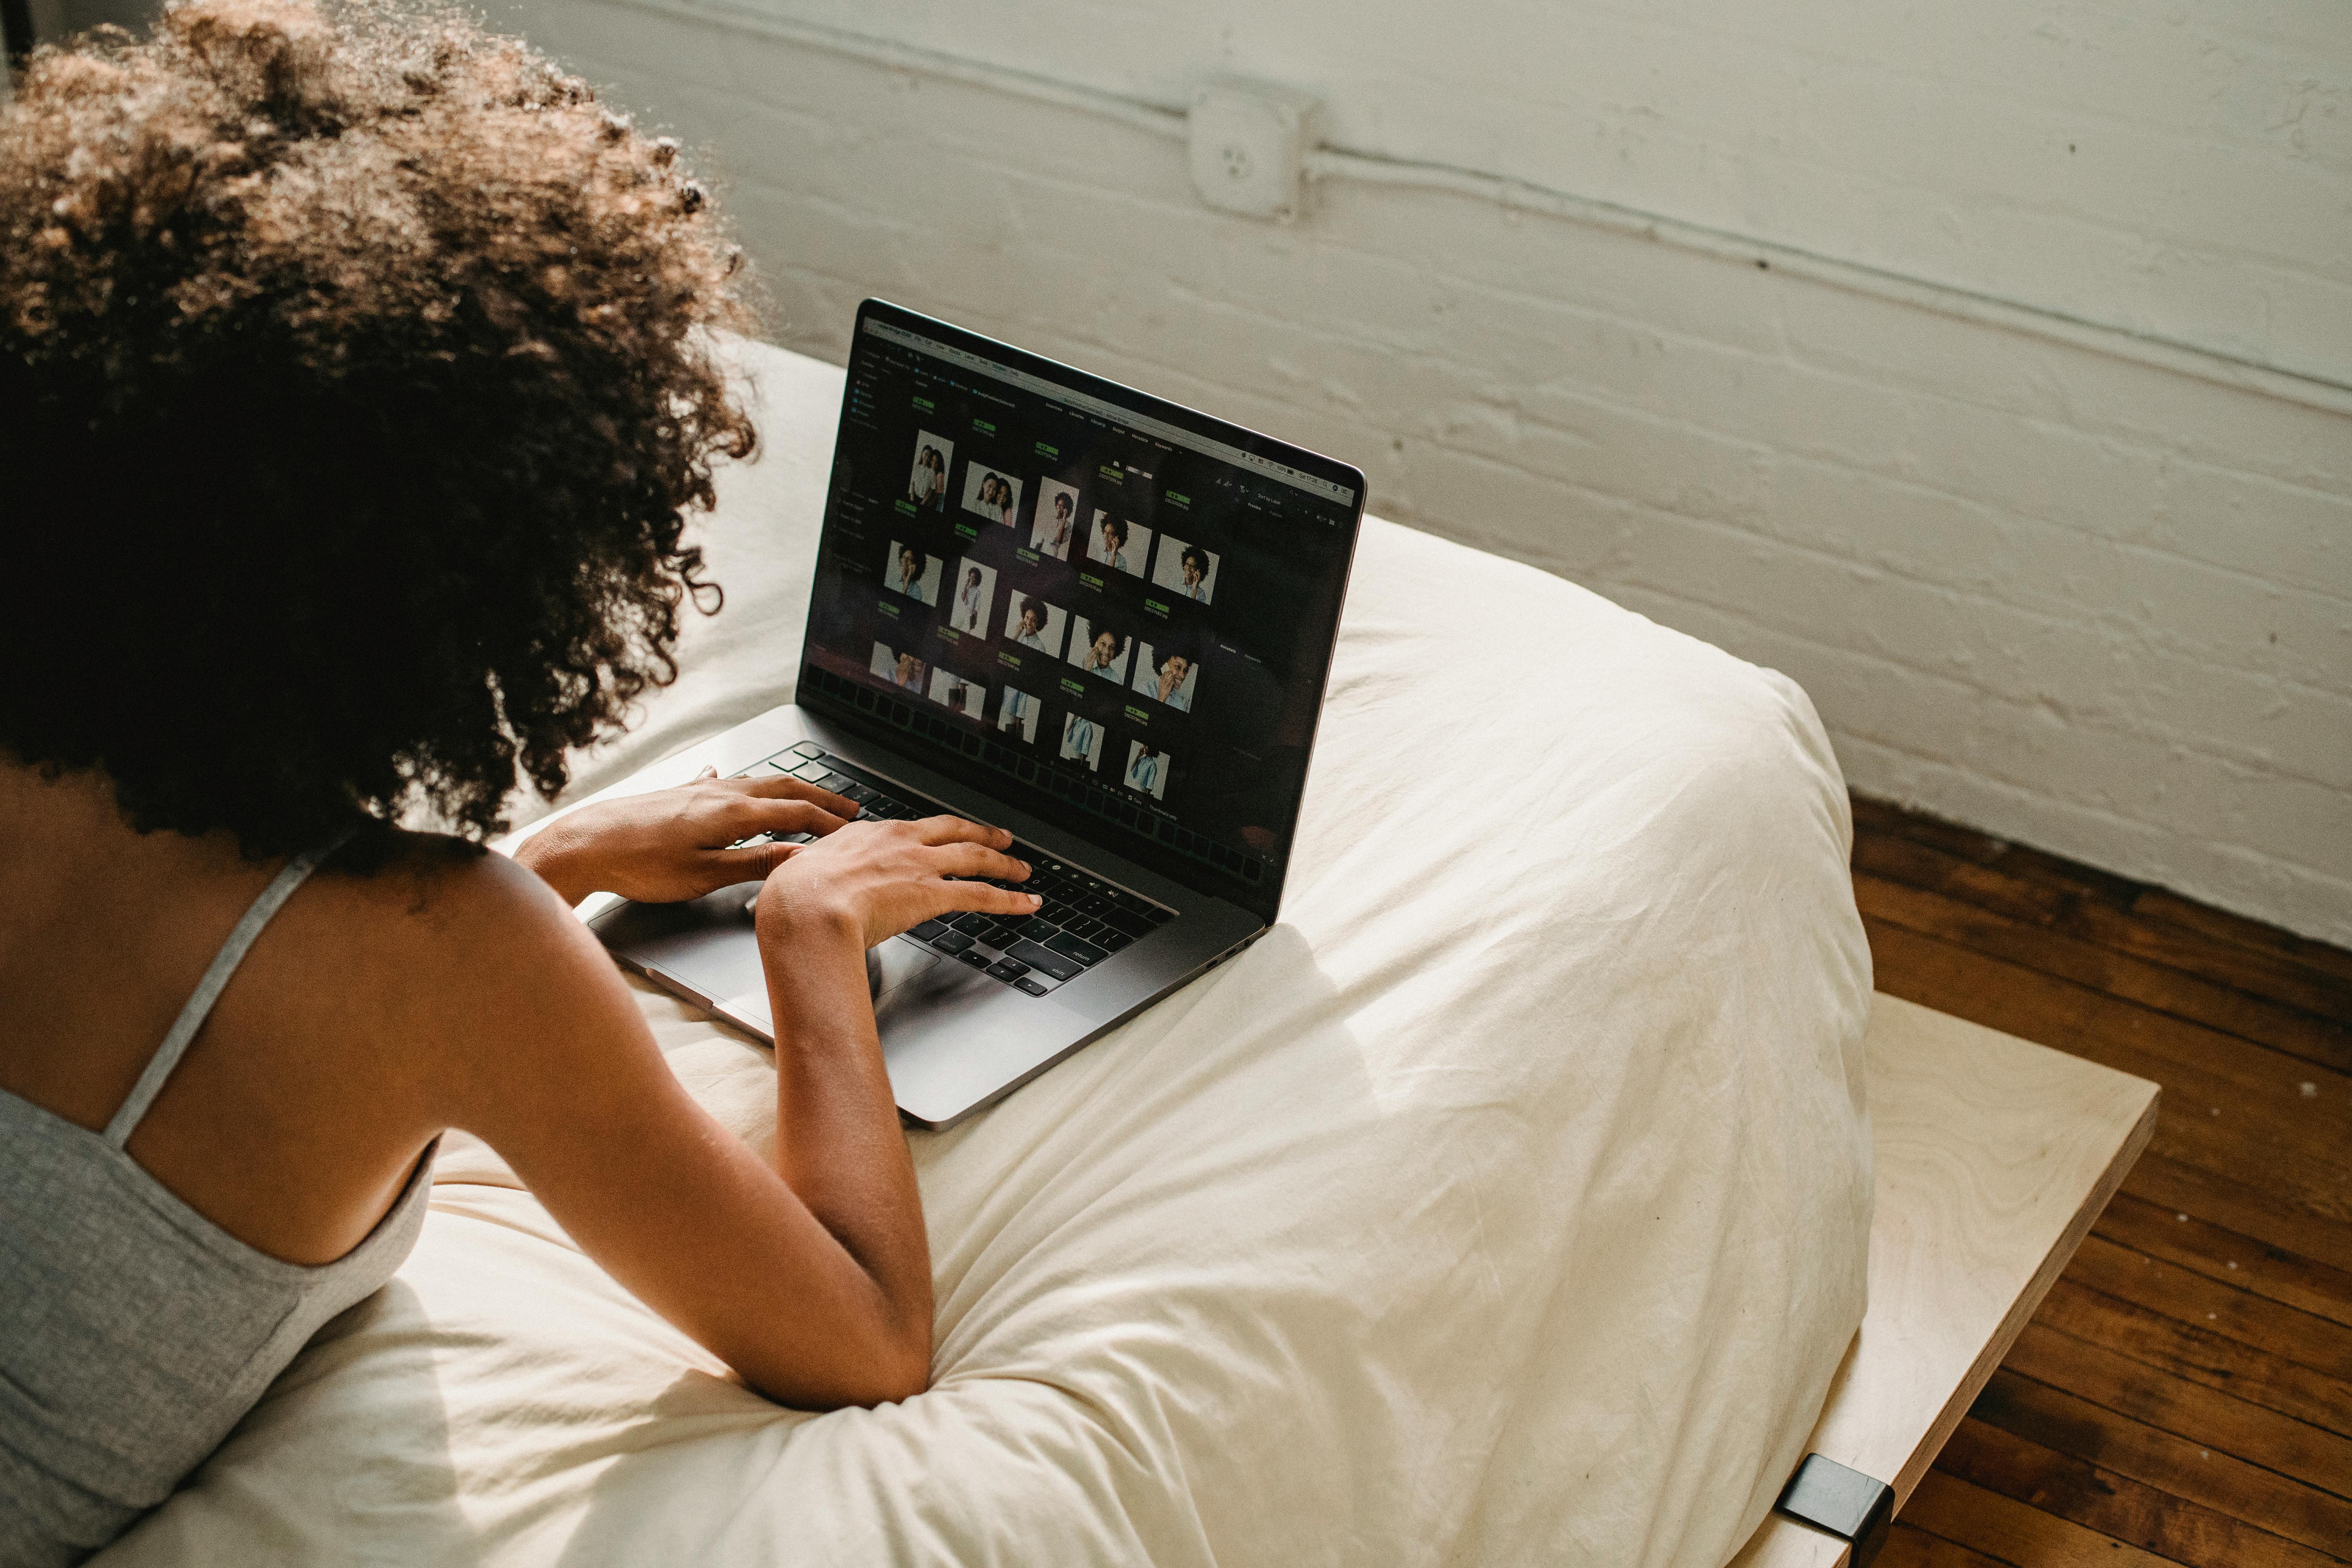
(153, 1289)
(143, 1331)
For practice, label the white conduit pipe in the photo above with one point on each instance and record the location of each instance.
(1340, 163)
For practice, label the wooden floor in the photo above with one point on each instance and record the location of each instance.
(2185, 1392)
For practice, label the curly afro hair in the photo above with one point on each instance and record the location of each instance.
(356, 372)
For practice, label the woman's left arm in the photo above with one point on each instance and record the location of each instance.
(670, 845)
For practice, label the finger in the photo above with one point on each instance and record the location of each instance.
(979, 897)
(776, 786)
(706, 773)
(751, 816)
(956, 830)
(979, 860)
(751, 863)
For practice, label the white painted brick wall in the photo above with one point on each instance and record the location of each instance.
(2184, 168)
(2076, 600)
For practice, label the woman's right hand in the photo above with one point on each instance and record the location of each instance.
(874, 879)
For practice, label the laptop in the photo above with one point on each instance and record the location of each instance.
(1056, 604)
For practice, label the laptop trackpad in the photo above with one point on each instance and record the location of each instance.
(902, 961)
(950, 1035)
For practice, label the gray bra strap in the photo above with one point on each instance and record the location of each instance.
(199, 1004)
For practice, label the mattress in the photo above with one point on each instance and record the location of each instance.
(1507, 1203)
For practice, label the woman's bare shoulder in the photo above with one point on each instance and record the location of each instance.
(433, 889)
(453, 948)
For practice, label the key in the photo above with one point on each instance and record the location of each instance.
(1058, 965)
(1085, 952)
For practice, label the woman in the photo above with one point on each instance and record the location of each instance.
(1143, 772)
(923, 483)
(1017, 711)
(1030, 633)
(1105, 652)
(1196, 566)
(384, 352)
(1053, 538)
(1079, 736)
(909, 580)
(971, 604)
(1111, 548)
(1168, 685)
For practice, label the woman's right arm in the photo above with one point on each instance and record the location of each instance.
(810, 1277)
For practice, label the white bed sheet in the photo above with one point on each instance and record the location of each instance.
(1506, 1203)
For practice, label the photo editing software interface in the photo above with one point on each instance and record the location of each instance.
(1130, 617)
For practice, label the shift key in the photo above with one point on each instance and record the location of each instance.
(1069, 946)
(1059, 966)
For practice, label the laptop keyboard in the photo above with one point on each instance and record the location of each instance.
(1084, 920)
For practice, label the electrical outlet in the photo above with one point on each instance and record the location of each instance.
(1249, 144)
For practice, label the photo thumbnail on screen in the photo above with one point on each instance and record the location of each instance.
(1118, 544)
(1082, 740)
(1166, 674)
(994, 496)
(1019, 712)
(900, 669)
(1147, 770)
(928, 486)
(1185, 570)
(1033, 624)
(1098, 651)
(1055, 528)
(909, 571)
(975, 590)
(957, 695)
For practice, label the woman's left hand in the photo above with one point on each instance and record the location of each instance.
(671, 844)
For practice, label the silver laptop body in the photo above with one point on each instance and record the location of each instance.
(988, 510)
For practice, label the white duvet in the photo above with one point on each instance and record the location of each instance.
(1506, 1203)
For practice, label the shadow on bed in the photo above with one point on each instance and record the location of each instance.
(393, 1498)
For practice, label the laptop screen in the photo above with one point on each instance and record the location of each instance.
(1121, 609)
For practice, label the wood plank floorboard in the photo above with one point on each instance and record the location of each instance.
(2263, 1216)
(2184, 1394)
(2214, 1418)
(2114, 1505)
(2253, 1320)
(1909, 1546)
(2067, 1423)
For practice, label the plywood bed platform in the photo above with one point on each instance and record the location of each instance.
(1993, 1157)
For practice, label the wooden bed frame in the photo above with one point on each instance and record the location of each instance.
(1993, 1156)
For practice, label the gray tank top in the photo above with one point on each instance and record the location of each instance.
(134, 1332)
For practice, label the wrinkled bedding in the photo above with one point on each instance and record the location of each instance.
(1506, 1203)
